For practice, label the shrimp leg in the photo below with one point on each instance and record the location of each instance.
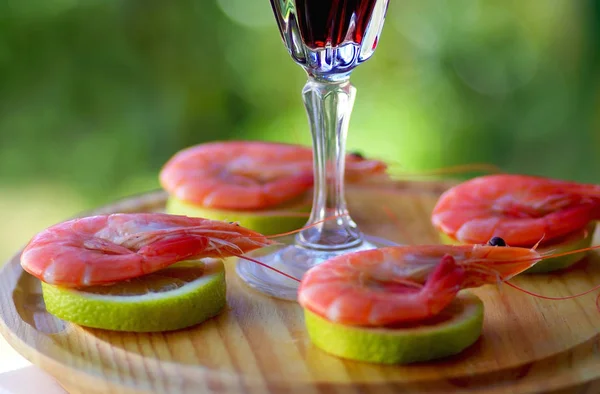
(440, 289)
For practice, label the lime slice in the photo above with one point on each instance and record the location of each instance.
(266, 222)
(450, 332)
(578, 240)
(182, 295)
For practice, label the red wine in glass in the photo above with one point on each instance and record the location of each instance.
(331, 23)
(329, 38)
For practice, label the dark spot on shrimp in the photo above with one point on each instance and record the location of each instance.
(357, 154)
(234, 223)
(496, 241)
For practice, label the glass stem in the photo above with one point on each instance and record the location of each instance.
(329, 105)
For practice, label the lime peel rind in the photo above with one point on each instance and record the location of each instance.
(268, 222)
(401, 345)
(563, 262)
(188, 305)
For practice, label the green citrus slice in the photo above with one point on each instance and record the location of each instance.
(267, 222)
(450, 332)
(578, 240)
(179, 296)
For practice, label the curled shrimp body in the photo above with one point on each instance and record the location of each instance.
(521, 209)
(381, 287)
(249, 175)
(109, 248)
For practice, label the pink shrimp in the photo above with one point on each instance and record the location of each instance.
(381, 287)
(408, 284)
(249, 175)
(110, 248)
(518, 208)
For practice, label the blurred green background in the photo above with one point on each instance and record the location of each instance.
(96, 95)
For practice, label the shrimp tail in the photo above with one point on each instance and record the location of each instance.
(443, 284)
(176, 248)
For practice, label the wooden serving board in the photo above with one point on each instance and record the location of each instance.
(259, 344)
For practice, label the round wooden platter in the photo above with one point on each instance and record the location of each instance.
(259, 344)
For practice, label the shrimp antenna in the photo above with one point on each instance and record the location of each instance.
(297, 230)
(547, 256)
(398, 224)
(455, 169)
(538, 242)
(241, 256)
(267, 266)
(292, 214)
(307, 227)
(597, 287)
(571, 252)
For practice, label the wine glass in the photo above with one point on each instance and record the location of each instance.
(328, 38)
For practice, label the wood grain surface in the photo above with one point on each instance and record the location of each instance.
(259, 344)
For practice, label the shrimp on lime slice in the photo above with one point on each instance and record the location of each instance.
(264, 186)
(523, 210)
(402, 304)
(403, 284)
(139, 272)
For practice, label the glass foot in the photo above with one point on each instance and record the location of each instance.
(294, 260)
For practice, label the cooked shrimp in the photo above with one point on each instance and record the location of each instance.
(381, 287)
(245, 175)
(110, 248)
(518, 208)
